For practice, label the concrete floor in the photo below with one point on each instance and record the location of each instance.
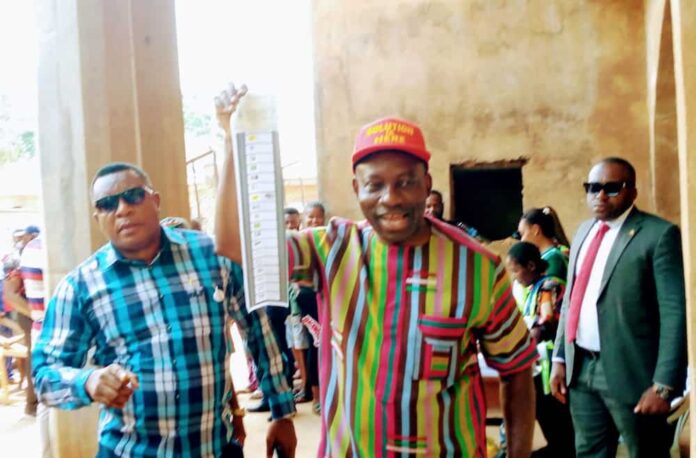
(19, 434)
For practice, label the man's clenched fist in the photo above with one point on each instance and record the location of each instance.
(112, 386)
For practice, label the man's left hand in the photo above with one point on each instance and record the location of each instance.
(651, 404)
(281, 435)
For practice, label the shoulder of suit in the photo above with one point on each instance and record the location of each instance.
(649, 219)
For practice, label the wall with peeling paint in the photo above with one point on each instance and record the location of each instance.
(559, 83)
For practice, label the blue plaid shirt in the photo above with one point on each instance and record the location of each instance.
(162, 322)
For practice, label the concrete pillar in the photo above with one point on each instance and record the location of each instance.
(664, 189)
(108, 91)
(684, 33)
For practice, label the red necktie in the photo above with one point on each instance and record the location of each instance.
(580, 284)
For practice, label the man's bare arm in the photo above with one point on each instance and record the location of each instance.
(227, 232)
(518, 400)
(13, 295)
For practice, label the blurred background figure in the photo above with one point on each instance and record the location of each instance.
(315, 214)
(292, 219)
(541, 311)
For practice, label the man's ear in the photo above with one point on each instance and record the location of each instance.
(95, 215)
(429, 183)
(355, 185)
(156, 198)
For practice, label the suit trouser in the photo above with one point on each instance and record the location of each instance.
(599, 418)
(555, 422)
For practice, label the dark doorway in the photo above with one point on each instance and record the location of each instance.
(488, 197)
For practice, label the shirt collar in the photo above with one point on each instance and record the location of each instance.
(619, 220)
(108, 255)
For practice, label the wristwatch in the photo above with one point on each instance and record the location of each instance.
(239, 412)
(663, 391)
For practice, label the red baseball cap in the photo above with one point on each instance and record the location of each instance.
(390, 134)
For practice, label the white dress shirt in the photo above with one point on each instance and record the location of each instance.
(588, 327)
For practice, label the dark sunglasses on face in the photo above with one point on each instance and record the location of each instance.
(611, 188)
(132, 196)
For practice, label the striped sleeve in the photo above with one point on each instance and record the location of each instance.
(61, 352)
(301, 263)
(31, 271)
(505, 341)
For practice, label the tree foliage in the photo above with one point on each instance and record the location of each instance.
(17, 136)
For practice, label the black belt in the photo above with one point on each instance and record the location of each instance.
(586, 353)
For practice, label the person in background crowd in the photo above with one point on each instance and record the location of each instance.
(401, 319)
(620, 351)
(542, 227)
(435, 207)
(23, 291)
(315, 214)
(292, 219)
(308, 298)
(541, 312)
(296, 335)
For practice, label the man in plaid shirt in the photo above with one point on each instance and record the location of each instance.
(155, 302)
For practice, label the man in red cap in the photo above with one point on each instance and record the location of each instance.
(408, 302)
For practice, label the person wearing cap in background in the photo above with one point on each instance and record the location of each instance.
(24, 294)
(408, 298)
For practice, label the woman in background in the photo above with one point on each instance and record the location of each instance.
(541, 311)
(542, 227)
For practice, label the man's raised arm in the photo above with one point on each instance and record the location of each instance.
(227, 232)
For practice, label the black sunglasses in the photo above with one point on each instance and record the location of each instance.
(611, 188)
(132, 196)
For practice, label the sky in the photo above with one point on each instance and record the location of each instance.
(219, 41)
(18, 54)
(242, 41)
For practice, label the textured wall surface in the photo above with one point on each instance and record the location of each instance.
(559, 83)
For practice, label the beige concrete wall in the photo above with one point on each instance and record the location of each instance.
(559, 83)
(684, 32)
(662, 109)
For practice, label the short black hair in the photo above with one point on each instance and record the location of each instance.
(524, 252)
(116, 167)
(316, 204)
(623, 163)
(291, 211)
(434, 192)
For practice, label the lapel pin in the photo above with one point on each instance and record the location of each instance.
(632, 232)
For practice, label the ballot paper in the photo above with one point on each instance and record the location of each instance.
(260, 194)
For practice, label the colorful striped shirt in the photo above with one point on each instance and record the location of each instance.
(399, 332)
(166, 322)
(31, 267)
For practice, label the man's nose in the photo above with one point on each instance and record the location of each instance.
(123, 207)
(391, 195)
(602, 195)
